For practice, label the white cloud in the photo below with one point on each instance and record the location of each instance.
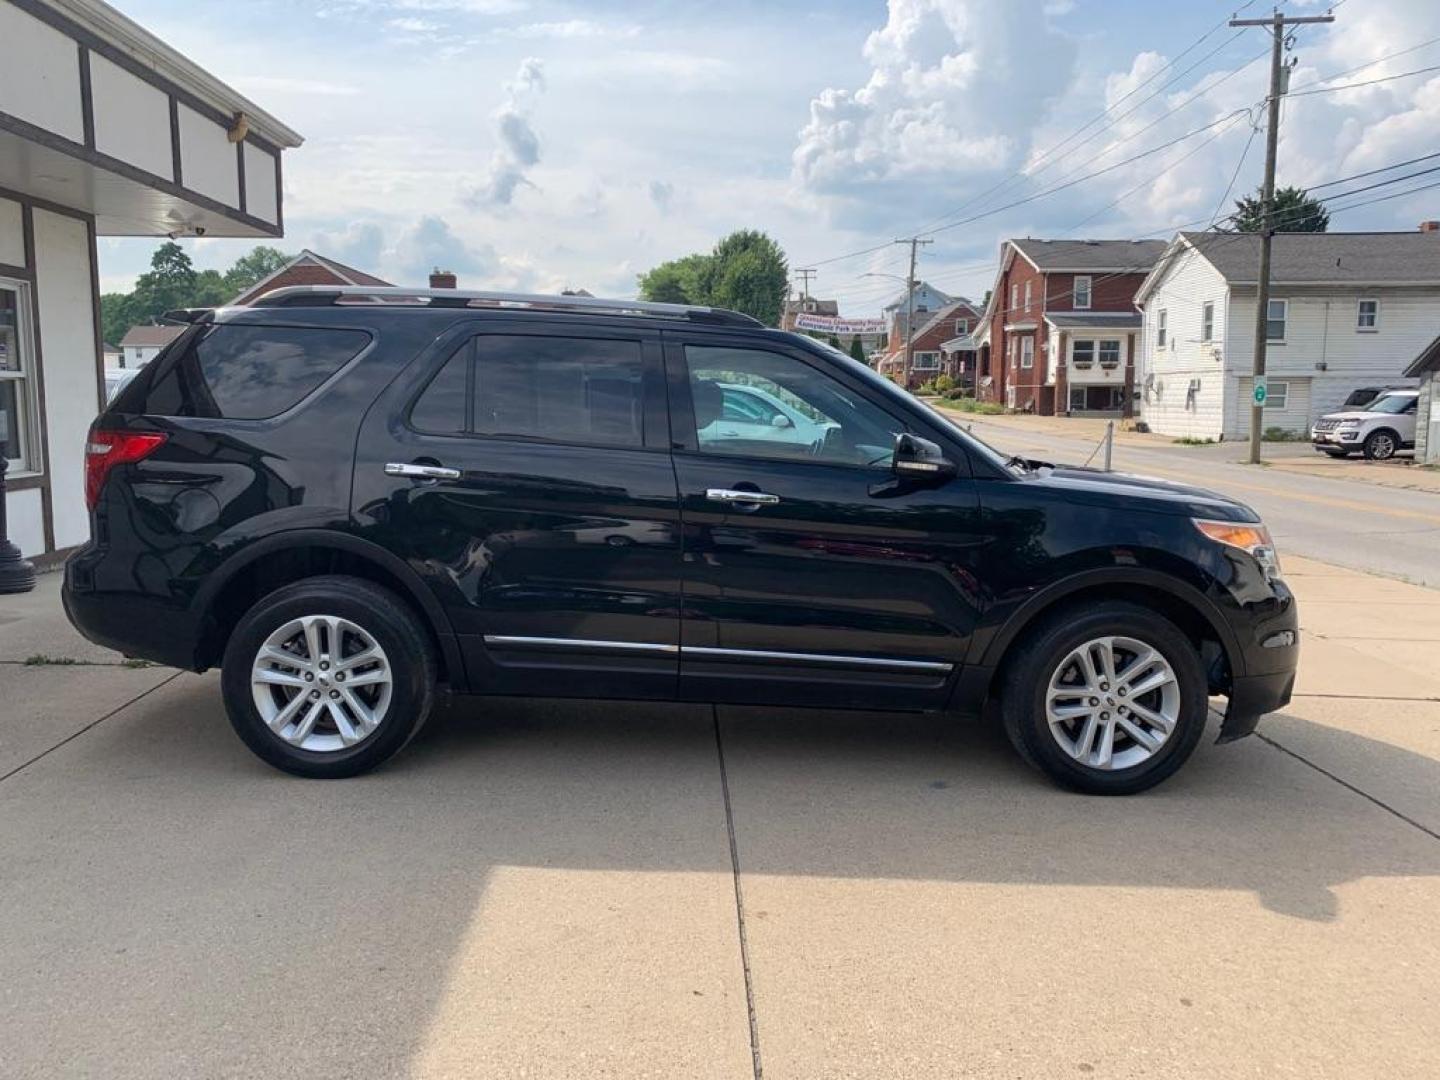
(519, 147)
(955, 88)
(260, 85)
(569, 28)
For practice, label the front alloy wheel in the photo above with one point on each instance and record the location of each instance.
(1380, 446)
(1108, 698)
(1112, 702)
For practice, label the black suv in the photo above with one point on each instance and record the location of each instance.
(348, 499)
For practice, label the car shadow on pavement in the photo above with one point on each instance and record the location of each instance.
(156, 862)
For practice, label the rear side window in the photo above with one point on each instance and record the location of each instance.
(239, 372)
(578, 390)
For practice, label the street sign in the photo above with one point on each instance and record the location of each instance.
(1261, 392)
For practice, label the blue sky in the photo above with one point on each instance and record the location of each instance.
(528, 144)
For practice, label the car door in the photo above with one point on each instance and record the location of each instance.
(813, 575)
(524, 470)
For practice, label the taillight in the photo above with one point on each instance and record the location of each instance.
(106, 449)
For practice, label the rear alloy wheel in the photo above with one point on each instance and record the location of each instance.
(1109, 699)
(328, 677)
(1381, 445)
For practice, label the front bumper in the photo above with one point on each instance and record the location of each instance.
(1335, 439)
(1270, 648)
(1251, 697)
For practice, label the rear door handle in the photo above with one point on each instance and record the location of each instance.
(421, 472)
(749, 498)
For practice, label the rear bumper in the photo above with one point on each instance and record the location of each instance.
(117, 617)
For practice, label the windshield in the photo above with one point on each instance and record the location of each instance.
(1392, 403)
(979, 446)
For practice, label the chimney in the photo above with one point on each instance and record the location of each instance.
(442, 279)
(1430, 226)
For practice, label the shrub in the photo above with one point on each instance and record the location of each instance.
(1280, 434)
(943, 383)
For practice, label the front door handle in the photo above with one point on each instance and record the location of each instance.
(421, 472)
(745, 498)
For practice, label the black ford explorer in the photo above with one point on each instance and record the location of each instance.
(349, 499)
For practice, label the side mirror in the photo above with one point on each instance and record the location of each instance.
(919, 458)
(782, 421)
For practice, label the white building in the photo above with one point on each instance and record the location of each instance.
(1346, 310)
(141, 344)
(104, 130)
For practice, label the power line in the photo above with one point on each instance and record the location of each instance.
(1367, 64)
(1374, 172)
(1367, 82)
(1254, 130)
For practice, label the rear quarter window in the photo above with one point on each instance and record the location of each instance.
(244, 372)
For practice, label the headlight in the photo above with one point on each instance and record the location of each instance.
(1348, 423)
(1252, 539)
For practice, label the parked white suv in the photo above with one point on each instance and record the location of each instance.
(1379, 430)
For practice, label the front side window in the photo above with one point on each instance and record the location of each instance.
(1162, 328)
(1368, 315)
(1207, 322)
(1275, 317)
(1082, 352)
(1027, 352)
(235, 371)
(1110, 352)
(15, 383)
(1393, 403)
(813, 416)
(1082, 292)
(556, 389)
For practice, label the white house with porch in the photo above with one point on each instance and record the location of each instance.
(104, 131)
(1347, 310)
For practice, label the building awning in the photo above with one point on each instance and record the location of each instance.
(1021, 327)
(112, 122)
(963, 343)
(1095, 320)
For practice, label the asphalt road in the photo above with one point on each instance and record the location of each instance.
(1380, 530)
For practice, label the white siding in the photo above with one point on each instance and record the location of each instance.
(25, 525)
(1320, 329)
(1095, 375)
(1183, 385)
(12, 233)
(72, 381)
(39, 74)
(1295, 416)
(207, 158)
(261, 198)
(132, 118)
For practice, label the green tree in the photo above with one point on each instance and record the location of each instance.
(676, 281)
(857, 351)
(746, 271)
(1293, 210)
(253, 268)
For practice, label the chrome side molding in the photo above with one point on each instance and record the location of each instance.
(937, 667)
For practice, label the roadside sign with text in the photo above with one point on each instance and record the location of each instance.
(829, 324)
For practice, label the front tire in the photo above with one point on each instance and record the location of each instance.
(1106, 699)
(329, 677)
(1381, 445)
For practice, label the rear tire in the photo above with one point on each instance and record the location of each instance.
(329, 677)
(1053, 711)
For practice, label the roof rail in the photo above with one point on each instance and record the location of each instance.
(330, 295)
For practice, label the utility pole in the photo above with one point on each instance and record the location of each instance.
(805, 273)
(914, 243)
(1277, 24)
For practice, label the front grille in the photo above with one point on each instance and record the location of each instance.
(1326, 425)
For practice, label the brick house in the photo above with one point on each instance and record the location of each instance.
(1060, 331)
(308, 268)
(942, 345)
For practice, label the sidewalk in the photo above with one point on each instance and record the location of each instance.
(1298, 457)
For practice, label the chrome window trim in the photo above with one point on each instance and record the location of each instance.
(935, 666)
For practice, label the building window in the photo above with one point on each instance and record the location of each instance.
(1277, 394)
(1275, 316)
(1207, 322)
(1014, 297)
(1162, 328)
(1368, 316)
(1027, 296)
(1010, 350)
(17, 392)
(962, 327)
(925, 361)
(1027, 352)
(1082, 353)
(1081, 294)
(1110, 352)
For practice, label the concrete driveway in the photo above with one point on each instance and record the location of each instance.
(547, 889)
